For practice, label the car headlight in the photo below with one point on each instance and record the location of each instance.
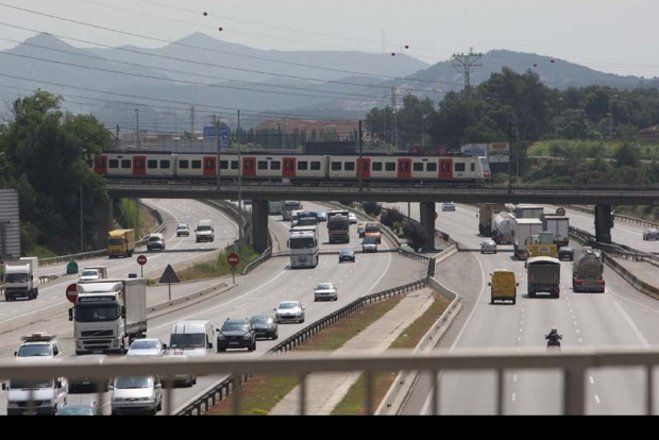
(145, 399)
(247, 336)
(220, 336)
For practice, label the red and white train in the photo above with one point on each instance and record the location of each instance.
(274, 166)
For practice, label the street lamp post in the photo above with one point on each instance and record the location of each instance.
(423, 130)
(611, 98)
(557, 101)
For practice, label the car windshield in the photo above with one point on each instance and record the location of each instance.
(116, 241)
(182, 227)
(288, 305)
(96, 312)
(26, 384)
(303, 242)
(324, 286)
(346, 252)
(133, 382)
(187, 340)
(372, 228)
(144, 345)
(154, 239)
(75, 411)
(235, 326)
(204, 228)
(89, 273)
(16, 278)
(369, 240)
(35, 350)
(261, 320)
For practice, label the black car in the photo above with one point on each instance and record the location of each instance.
(346, 255)
(264, 327)
(236, 333)
(566, 253)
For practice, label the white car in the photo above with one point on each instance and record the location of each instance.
(47, 395)
(39, 344)
(90, 275)
(136, 395)
(448, 206)
(369, 244)
(182, 229)
(352, 218)
(147, 347)
(488, 247)
(651, 234)
(325, 292)
(289, 311)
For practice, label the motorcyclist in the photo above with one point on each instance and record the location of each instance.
(553, 338)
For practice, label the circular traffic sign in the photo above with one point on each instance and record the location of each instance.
(141, 260)
(72, 293)
(435, 215)
(560, 211)
(233, 259)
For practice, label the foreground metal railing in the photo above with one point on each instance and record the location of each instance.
(574, 365)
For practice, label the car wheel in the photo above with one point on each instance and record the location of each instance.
(275, 337)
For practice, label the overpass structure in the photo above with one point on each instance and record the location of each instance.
(262, 192)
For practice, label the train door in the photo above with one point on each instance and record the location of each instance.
(249, 166)
(289, 167)
(404, 168)
(210, 166)
(101, 164)
(445, 169)
(139, 165)
(364, 167)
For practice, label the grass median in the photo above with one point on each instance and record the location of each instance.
(261, 393)
(353, 402)
(219, 267)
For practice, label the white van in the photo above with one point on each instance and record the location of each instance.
(41, 397)
(136, 395)
(205, 231)
(192, 338)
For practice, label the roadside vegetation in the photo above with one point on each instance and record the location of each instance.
(261, 393)
(219, 267)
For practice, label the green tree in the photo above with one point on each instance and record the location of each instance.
(628, 154)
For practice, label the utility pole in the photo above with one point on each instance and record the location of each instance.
(217, 129)
(611, 115)
(465, 63)
(137, 118)
(240, 189)
(423, 130)
(360, 169)
(82, 239)
(394, 115)
(192, 121)
(510, 156)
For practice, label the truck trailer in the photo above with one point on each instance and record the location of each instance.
(587, 270)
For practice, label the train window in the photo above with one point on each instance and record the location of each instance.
(315, 165)
(418, 166)
(113, 163)
(184, 164)
(224, 164)
(349, 166)
(164, 164)
(377, 166)
(196, 164)
(275, 165)
(336, 166)
(151, 164)
(459, 166)
(303, 165)
(125, 163)
(263, 165)
(234, 164)
(473, 167)
(390, 166)
(431, 166)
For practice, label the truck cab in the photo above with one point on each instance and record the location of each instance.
(121, 242)
(35, 397)
(19, 278)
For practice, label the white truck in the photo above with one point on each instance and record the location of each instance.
(559, 225)
(525, 229)
(108, 315)
(529, 211)
(93, 274)
(304, 249)
(20, 278)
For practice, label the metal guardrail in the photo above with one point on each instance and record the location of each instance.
(620, 217)
(575, 365)
(254, 264)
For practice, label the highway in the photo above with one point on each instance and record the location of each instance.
(619, 317)
(259, 292)
(177, 250)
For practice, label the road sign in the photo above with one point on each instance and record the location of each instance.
(141, 260)
(233, 259)
(169, 276)
(72, 293)
(560, 211)
(435, 215)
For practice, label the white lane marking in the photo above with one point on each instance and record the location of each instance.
(575, 323)
(513, 396)
(597, 399)
(650, 308)
(514, 378)
(580, 341)
(592, 381)
(478, 300)
(633, 326)
(519, 339)
(578, 331)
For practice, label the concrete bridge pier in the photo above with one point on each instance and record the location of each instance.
(603, 223)
(101, 224)
(260, 225)
(428, 225)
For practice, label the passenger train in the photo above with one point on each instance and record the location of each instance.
(293, 167)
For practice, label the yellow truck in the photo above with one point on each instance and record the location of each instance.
(503, 286)
(543, 246)
(121, 242)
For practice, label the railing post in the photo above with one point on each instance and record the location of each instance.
(368, 392)
(500, 391)
(649, 405)
(573, 391)
(236, 395)
(435, 393)
(303, 394)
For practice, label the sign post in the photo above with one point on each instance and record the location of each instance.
(141, 260)
(169, 277)
(233, 259)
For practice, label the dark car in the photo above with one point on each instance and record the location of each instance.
(566, 253)
(236, 333)
(346, 255)
(361, 230)
(264, 327)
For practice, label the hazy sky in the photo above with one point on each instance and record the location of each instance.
(618, 36)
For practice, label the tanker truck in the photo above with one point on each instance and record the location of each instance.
(587, 270)
(486, 211)
(503, 228)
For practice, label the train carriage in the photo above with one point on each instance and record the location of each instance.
(135, 164)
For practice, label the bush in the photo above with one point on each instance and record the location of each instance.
(390, 216)
(372, 208)
(414, 234)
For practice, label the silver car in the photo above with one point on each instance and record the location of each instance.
(147, 347)
(289, 311)
(325, 292)
(136, 395)
(488, 247)
(651, 234)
